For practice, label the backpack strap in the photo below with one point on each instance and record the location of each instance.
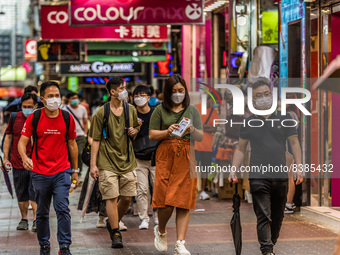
(35, 121)
(107, 110)
(67, 119)
(127, 126)
(13, 116)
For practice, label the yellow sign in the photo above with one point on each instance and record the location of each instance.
(270, 27)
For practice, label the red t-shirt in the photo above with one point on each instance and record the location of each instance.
(52, 147)
(207, 143)
(15, 158)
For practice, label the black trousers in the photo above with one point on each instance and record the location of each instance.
(269, 199)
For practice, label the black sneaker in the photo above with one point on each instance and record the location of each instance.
(34, 226)
(45, 250)
(23, 225)
(65, 251)
(117, 240)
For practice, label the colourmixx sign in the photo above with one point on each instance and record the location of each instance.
(131, 12)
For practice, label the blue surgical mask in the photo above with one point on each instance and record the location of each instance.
(74, 101)
(27, 111)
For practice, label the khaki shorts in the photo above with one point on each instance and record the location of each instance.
(112, 185)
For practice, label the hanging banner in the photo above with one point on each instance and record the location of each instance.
(126, 52)
(131, 12)
(55, 25)
(56, 52)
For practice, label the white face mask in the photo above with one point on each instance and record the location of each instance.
(122, 96)
(264, 103)
(140, 101)
(53, 104)
(177, 98)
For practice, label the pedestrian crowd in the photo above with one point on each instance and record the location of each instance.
(134, 154)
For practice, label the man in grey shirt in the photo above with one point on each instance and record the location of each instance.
(80, 116)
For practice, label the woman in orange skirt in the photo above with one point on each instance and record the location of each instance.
(175, 180)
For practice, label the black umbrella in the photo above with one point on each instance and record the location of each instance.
(6, 177)
(235, 222)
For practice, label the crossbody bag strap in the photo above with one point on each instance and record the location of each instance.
(127, 126)
(75, 117)
(206, 122)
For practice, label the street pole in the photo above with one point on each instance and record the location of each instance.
(15, 43)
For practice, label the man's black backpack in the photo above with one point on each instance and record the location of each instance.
(11, 124)
(127, 124)
(35, 121)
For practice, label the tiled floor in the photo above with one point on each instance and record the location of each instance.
(208, 233)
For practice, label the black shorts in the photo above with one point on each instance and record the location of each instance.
(23, 185)
(204, 159)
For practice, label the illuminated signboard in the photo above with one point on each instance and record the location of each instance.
(98, 67)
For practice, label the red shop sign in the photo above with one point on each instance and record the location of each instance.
(31, 49)
(55, 25)
(130, 12)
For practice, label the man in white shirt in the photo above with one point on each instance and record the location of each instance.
(80, 116)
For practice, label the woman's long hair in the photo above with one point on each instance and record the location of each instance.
(170, 83)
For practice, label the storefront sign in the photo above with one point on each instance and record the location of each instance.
(126, 52)
(270, 27)
(130, 12)
(31, 49)
(98, 67)
(55, 25)
(73, 84)
(56, 52)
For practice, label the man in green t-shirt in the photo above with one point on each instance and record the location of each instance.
(112, 159)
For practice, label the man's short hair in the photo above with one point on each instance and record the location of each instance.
(30, 88)
(260, 82)
(28, 96)
(114, 83)
(46, 85)
(71, 94)
(140, 89)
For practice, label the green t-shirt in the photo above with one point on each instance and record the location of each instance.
(112, 155)
(161, 119)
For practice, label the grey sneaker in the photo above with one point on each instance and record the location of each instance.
(23, 225)
(34, 226)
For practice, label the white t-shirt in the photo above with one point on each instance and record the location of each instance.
(81, 113)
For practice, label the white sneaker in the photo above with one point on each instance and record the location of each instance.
(155, 217)
(249, 197)
(180, 248)
(101, 222)
(144, 224)
(122, 226)
(160, 240)
(204, 196)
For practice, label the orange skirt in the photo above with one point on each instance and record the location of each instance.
(175, 179)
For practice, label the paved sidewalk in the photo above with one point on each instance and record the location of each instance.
(208, 233)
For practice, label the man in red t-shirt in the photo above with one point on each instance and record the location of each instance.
(51, 169)
(203, 149)
(22, 178)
